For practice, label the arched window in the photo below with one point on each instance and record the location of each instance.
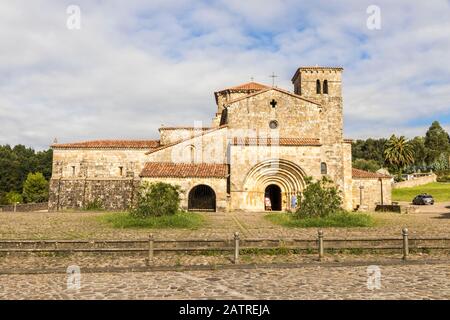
(323, 168)
(191, 153)
(325, 87)
(318, 91)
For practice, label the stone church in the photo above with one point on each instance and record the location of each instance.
(262, 144)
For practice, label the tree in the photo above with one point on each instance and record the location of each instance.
(320, 198)
(15, 164)
(35, 188)
(368, 165)
(437, 142)
(157, 199)
(398, 153)
(370, 149)
(420, 151)
(13, 197)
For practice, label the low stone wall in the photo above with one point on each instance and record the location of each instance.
(113, 194)
(369, 196)
(416, 181)
(27, 207)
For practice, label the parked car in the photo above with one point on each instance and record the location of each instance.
(423, 199)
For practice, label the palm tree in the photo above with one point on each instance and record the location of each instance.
(399, 152)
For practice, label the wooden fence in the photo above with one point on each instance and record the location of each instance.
(25, 207)
(235, 245)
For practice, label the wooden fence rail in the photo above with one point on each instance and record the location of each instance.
(235, 244)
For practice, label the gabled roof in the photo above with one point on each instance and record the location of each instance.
(109, 144)
(249, 86)
(362, 174)
(273, 88)
(187, 139)
(247, 141)
(184, 170)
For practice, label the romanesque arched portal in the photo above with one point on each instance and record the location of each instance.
(284, 174)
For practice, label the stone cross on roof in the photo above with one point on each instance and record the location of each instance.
(273, 76)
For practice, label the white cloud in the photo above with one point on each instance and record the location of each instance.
(134, 66)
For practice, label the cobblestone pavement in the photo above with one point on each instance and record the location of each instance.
(431, 221)
(310, 282)
(41, 263)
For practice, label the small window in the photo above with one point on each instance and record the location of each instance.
(190, 153)
(273, 124)
(73, 170)
(318, 89)
(121, 171)
(325, 87)
(323, 168)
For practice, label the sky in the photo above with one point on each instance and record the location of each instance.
(135, 65)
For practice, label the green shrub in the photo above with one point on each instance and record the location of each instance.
(157, 199)
(320, 199)
(123, 220)
(96, 205)
(35, 188)
(13, 197)
(443, 176)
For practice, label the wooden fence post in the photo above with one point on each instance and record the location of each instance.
(150, 249)
(405, 243)
(236, 247)
(320, 238)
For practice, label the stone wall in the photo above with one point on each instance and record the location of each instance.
(97, 163)
(415, 181)
(295, 116)
(114, 194)
(218, 185)
(208, 148)
(371, 192)
(171, 134)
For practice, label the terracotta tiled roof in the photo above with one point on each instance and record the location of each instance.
(184, 170)
(109, 144)
(361, 174)
(249, 86)
(348, 140)
(281, 141)
(184, 140)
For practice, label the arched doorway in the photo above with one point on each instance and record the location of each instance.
(273, 193)
(202, 198)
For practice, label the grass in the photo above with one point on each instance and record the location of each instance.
(439, 190)
(180, 220)
(340, 220)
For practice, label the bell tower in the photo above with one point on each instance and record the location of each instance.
(317, 83)
(323, 85)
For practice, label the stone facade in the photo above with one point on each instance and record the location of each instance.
(269, 138)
